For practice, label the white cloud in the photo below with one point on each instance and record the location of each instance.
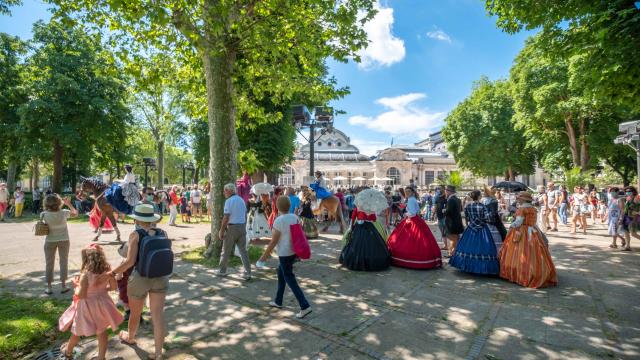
(368, 147)
(384, 48)
(403, 117)
(439, 35)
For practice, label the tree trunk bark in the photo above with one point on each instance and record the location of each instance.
(160, 182)
(57, 167)
(36, 173)
(223, 142)
(584, 147)
(571, 134)
(12, 169)
(196, 175)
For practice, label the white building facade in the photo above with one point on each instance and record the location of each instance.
(343, 165)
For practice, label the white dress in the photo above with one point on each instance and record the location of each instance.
(130, 189)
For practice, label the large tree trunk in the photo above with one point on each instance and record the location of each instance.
(573, 146)
(11, 175)
(584, 146)
(57, 167)
(223, 142)
(160, 182)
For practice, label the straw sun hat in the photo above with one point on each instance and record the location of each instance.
(145, 213)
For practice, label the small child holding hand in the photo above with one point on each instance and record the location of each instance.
(92, 311)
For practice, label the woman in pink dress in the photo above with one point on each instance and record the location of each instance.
(92, 311)
(94, 220)
(243, 186)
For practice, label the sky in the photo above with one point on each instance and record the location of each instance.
(421, 61)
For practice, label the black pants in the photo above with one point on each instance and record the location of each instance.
(36, 206)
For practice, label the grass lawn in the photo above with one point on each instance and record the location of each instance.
(195, 256)
(28, 325)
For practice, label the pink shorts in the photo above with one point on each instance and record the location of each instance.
(3, 207)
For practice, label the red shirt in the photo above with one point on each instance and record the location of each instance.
(174, 198)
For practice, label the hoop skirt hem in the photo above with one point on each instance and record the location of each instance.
(476, 252)
(412, 245)
(115, 197)
(365, 249)
(525, 259)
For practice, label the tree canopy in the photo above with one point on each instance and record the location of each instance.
(78, 99)
(604, 34)
(481, 127)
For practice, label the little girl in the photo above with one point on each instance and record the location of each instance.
(615, 220)
(602, 211)
(92, 310)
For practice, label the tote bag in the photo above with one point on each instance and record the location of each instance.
(299, 241)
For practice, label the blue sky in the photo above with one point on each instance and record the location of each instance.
(422, 59)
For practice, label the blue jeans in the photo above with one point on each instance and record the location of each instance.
(286, 276)
(562, 212)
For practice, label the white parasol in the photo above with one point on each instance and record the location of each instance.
(339, 178)
(386, 179)
(262, 188)
(371, 201)
(358, 178)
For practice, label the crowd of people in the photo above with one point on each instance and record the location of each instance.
(386, 228)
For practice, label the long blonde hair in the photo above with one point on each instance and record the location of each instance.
(94, 260)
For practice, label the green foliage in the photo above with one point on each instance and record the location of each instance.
(13, 94)
(565, 126)
(27, 324)
(4, 6)
(481, 135)
(604, 35)
(78, 97)
(248, 161)
(577, 177)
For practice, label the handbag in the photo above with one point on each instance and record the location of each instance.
(299, 241)
(41, 228)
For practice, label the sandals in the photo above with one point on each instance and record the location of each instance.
(48, 291)
(124, 337)
(626, 249)
(63, 351)
(613, 246)
(65, 290)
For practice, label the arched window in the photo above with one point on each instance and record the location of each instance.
(394, 175)
(288, 176)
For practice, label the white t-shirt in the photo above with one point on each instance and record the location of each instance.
(552, 195)
(282, 224)
(196, 196)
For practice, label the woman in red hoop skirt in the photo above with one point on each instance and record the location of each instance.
(94, 220)
(412, 244)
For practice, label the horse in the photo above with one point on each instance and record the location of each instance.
(331, 204)
(98, 189)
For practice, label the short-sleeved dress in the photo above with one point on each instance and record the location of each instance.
(93, 314)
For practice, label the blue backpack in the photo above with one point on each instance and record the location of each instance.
(155, 258)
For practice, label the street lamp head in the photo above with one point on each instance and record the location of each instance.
(301, 115)
(324, 114)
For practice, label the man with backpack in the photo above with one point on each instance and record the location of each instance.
(233, 231)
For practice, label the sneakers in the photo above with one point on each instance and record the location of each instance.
(246, 276)
(261, 265)
(221, 273)
(273, 304)
(304, 313)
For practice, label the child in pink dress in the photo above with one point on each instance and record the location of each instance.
(92, 311)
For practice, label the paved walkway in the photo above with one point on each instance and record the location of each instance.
(594, 313)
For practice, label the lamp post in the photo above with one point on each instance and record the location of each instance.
(148, 162)
(322, 119)
(186, 166)
(630, 135)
